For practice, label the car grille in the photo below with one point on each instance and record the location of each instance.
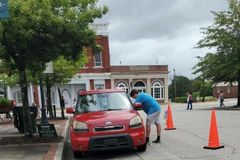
(109, 128)
(110, 142)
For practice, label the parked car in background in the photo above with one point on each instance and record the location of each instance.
(105, 120)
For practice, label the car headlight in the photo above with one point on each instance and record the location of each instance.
(135, 122)
(80, 126)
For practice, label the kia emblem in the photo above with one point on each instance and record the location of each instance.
(108, 123)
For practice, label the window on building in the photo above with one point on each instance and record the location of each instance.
(122, 85)
(157, 90)
(82, 87)
(99, 84)
(18, 97)
(98, 59)
(140, 86)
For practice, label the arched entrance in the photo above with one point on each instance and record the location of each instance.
(140, 86)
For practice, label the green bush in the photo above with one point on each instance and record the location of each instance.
(194, 96)
(180, 100)
(4, 101)
(210, 98)
(184, 98)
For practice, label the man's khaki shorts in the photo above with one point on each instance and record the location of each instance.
(153, 118)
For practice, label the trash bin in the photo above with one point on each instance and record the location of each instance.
(19, 121)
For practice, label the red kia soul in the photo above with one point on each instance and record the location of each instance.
(105, 120)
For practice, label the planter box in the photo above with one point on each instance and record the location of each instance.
(5, 108)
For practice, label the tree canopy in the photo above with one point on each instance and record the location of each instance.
(183, 85)
(222, 65)
(39, 31)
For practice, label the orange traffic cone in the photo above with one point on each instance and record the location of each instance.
(213, 141)
(169, 122)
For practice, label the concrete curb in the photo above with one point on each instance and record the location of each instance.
(61, 145)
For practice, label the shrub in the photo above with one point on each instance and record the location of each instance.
(180, 100)
(195, 95)
(210, 98)
(4, 101)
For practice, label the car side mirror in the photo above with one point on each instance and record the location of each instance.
(137, 106)
(70, 110)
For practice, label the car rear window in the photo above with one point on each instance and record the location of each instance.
(103, 102)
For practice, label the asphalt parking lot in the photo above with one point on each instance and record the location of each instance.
(187, 141)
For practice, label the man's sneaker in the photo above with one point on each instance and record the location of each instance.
(156, 141)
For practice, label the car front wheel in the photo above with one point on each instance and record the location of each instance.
(142, 148)
(78, 154)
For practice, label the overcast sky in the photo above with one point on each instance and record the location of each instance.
(163, 32)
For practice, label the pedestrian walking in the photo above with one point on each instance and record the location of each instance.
(221, 99)
(189, 101)
(151, 107)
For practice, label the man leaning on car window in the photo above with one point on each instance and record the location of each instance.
(151, 107)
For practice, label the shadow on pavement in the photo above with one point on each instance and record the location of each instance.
(226, 108)
(116, 154)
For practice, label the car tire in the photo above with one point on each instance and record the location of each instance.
(78, 154)
(142, 148)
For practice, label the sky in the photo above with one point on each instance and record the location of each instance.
(158, 32)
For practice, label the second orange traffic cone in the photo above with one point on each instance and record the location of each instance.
(213, 141)
(169, 122)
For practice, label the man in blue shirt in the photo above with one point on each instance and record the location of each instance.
(151, 107)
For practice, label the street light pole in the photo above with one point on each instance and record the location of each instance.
(44, 115)
(175, 84)
(48, 69)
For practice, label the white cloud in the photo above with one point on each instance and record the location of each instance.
(158, 31)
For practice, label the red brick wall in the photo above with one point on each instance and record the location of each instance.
(107, 83)
(233, 91)
(89, 67)
(91, 84)
(158, 68)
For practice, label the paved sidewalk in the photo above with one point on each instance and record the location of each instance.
(36, 151)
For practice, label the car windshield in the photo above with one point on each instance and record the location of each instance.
(103, 102)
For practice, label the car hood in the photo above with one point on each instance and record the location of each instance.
(100, 118)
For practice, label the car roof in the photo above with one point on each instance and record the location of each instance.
(100, 91)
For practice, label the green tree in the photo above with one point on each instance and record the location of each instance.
(202, 86)
(222, 65)
(40, 31)
(64, 70)
(183, 85)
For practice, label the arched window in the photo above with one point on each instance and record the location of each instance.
(140, 86)
(122, 85)
(67, 97)
(157, 90)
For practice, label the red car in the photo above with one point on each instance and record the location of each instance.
(105, 120)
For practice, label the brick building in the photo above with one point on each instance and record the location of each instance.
(99, 74)
(229, 90)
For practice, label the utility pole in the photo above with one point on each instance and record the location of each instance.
(44, 115)
(175, 84)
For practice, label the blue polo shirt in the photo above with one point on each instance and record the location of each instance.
(149, 104)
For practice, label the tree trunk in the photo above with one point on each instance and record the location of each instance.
(203, 99)
(28, 129)
(49, 98)
(203, 90)
(238, 98)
